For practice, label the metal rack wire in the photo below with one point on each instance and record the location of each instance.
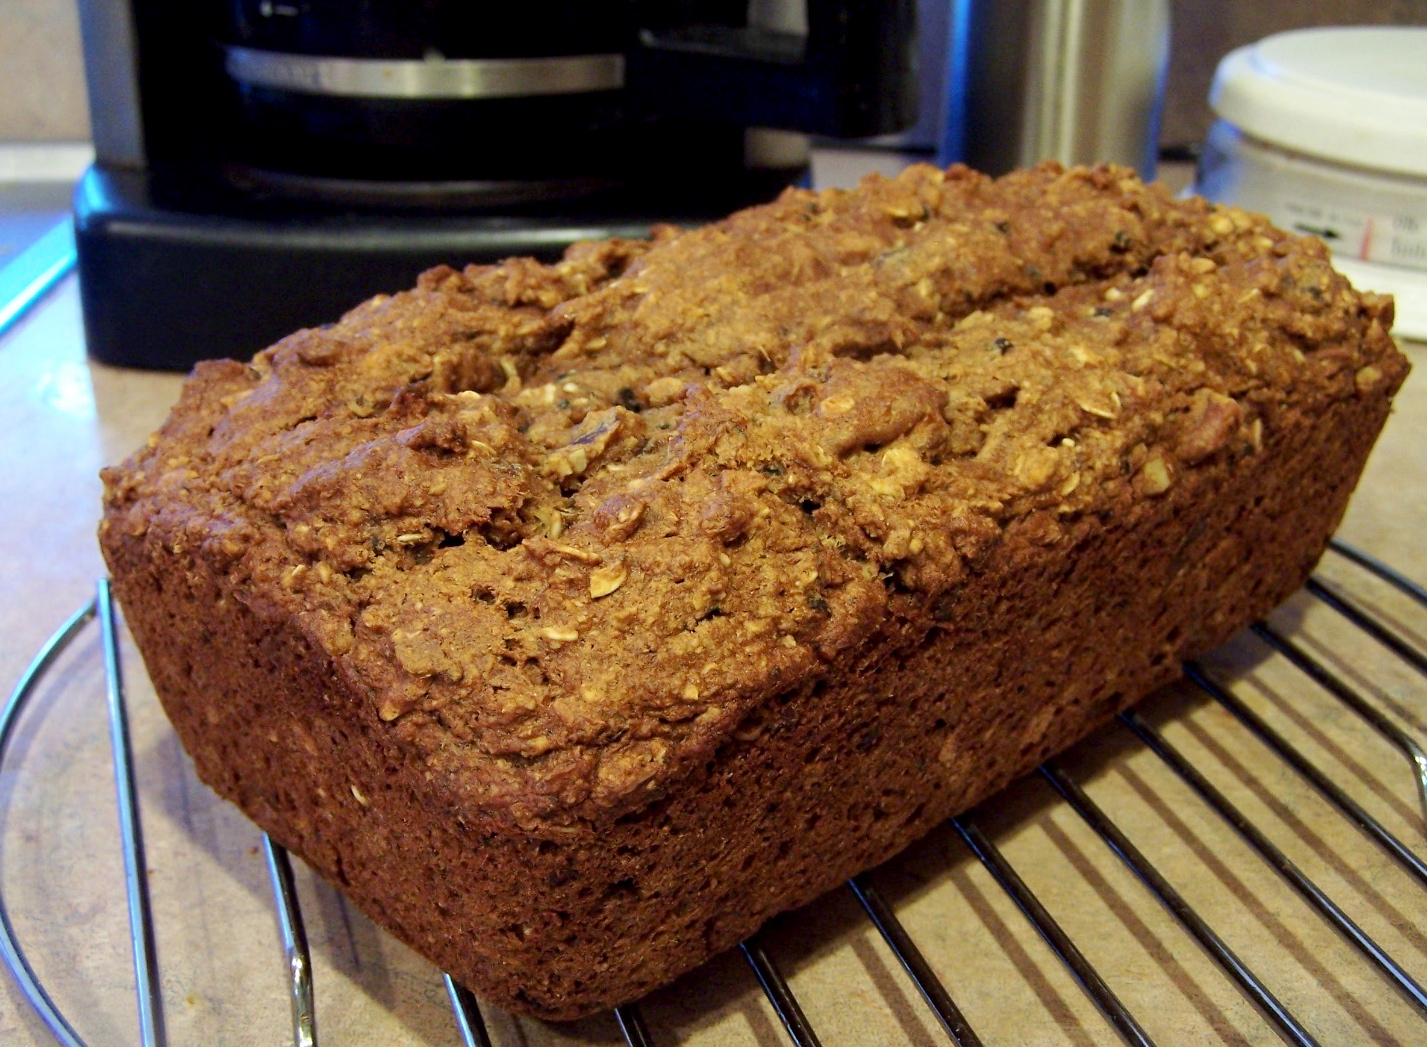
(1289, 1026)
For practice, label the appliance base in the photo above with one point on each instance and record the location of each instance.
(164, 286)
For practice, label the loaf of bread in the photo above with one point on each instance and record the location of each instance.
(575, 619)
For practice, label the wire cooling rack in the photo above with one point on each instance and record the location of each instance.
(1329, 746)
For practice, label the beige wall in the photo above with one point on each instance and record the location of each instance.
(42, 95)
(42, 83)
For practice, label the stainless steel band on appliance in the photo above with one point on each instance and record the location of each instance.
(426, 78)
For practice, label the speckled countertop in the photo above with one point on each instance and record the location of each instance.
(63, 417)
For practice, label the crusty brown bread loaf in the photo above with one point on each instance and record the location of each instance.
(575, 619)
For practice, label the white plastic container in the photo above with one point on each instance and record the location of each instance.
(1325, 131)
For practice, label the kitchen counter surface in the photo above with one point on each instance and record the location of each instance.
(62, 417)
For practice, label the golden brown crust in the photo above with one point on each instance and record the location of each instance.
(554, 583)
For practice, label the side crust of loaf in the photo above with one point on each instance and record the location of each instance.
(1053, 622)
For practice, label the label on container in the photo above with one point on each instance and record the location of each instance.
(1388, 239)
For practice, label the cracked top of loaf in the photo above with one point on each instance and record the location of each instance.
(562, 526)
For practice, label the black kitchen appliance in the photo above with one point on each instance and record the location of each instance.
(263, 165)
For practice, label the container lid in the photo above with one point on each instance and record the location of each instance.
(1354, 95)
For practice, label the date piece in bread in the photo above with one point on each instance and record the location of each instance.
(575, 619)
